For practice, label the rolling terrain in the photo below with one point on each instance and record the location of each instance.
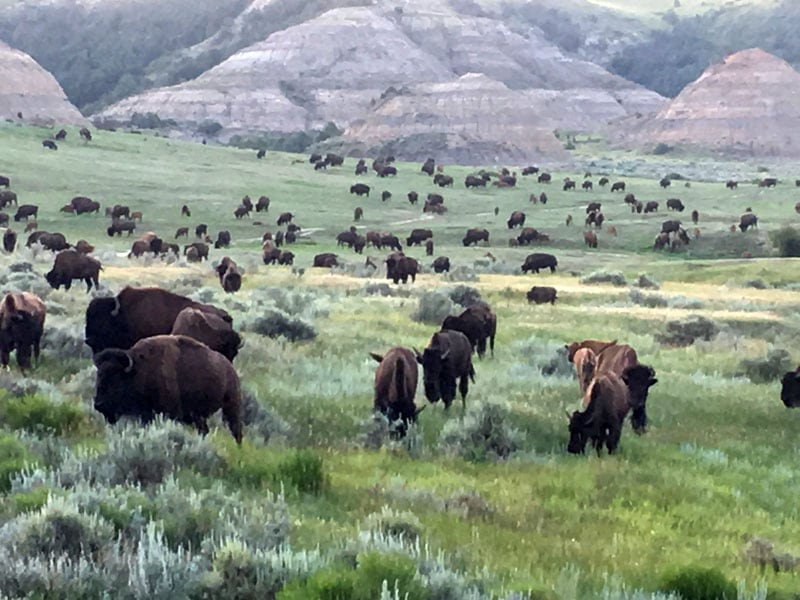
(715, 469)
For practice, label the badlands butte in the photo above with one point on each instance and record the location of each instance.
(467, 82)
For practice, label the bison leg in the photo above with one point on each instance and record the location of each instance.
(68, 284)
(232, 415)
(463, 388)
(639, 419)
(612, 441)
(481, 347)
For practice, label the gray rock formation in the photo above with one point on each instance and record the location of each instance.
(746, 105)
(30, 90)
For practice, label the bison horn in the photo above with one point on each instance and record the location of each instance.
(419, 410)
(419, 356)
(129, 368)
(376, 357)
(115, 310)
(569, 416)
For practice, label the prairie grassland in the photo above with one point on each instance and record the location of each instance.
(717, 467)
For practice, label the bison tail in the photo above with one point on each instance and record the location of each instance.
(471, 372)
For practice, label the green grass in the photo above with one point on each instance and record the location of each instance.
(717, 466)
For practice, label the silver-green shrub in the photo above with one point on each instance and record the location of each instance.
(484, 434)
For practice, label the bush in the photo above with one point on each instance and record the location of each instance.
(39, 415)
(260, 419)
(684, 332)
(404, 524)
(464, 295)
(433, 307)
(767, 369)
(62, 339)
(13, 459)
(276, 323)
(787, 241)
(662, 148)
(484, 434)
(648, 300)
(646, 281)
(597, 277)
(697, 583)
(333, 583)
(461, 273)
(396, 569)
(303, 469)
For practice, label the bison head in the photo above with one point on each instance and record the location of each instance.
(53, 279)
(579, 425)
(106, 325)
(790, 389)
(19, 331)
(114, 395)
(436, 383)
(639, 379)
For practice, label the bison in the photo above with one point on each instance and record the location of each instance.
(418, 236)
(7, 197)
(208, 328)
(665, 182)
(748, 220)
(49, 144)
(538, 260)
(117, 227)
(69, 265)
(479, 323)
(5, 181)
(695, 217)
(284, 218)
(391, 242)
(768, 182)
(601, 421)
(262, 204)
(413, 197)
(360, 189)
(618, 186)
(541, 295)
(82, 204)
(590, 239)
(429, 248)
(85, 134)
(22, 316)
(651, 206)
(475, 235)
(223, 239)
(790, 388)
(172, 375)
(517, 219)
(447, 358)
(395, 387)
(185, 212)
(196, 251)
(9, 240)
(441, 264)
(358, 213)
(326, 260)
(25, 211)
(527, 236)
(675, 204)
(400, 267)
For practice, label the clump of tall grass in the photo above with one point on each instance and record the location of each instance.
(432, 308)
(615, 278)
(684, 332)
(485, 434)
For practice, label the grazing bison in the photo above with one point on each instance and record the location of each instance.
(675, 204)
(83, 247)
(665, 182)
(418, 236)
(386, 195)
(223, 239)
(374, 238)
(441, 264)
(429, 248)
(748, 220)
(7, 197)
(201, 231)
(49, 144)
(527, 236)
(241, 211)
(334, 160)
(22, 316)
(262, 204)
(9, 240)
(587, 186)
(137, 313)
(447, 358)
(395, 387)
(445, 181)
(117, 227)
(120, 210)
(530, 170)
(661, 241)
(517, 219)
(538, 260)
(568, 184)
(400, 267)
(479, 323)
(544, 178)
(590, 239)
(768, 182)
(360, 189)
(434, 199)
(387, 171)
(172, 375)
(326, 260)
(413, 197)
(55, 242)
(651, 206)
(391, 242)
(695, 217)
(284, 218)
(208, 328)
(475, 235)
(358, 213)
(473, 181)
(200, 250)
(790, 388)
(603, 182)
(361, 167)
(541, 295)
(618, 186)
(731, 184)
(314, 158)
(261, 153)
(670, 226)
(182, 232)
(185, 212)
(85, 134)
(69, 265)
(5, 181)
(286, 258)
(82, 204)
(428, 167)
(601, 421)
(26, 211)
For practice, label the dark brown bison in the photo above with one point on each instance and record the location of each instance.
(172, 375)
(661, 241)
(26, 211)
(241, 211)
(539, 260)
(748, 220)
(473, 181)
(434, 199)
(651, 206)
(768, 182)
(603, 416)
(670, 226)
(618, 186)
(82, 204)
(475, 235)
(428, 167)
(360, 189)
(185, 212)
(387, 171)
(395, 387)
(182, 232)
(639, 379)
(413, 197)
(9, 240)
(119, 210)
(139, 248)
(544, 178)
(358, 213)
(593, 207)
(326, 260)
(386, 195)
(374, 238)
(400, 267)
(541, 295)
(201, 231)
(444, 181)
(270, 254)
(429, 248)
(527, 236)
(569, 184)
(200, 249)
(85, 134)
(49, 144)
(665, 182)
(83, 247)
(790, 388)
(441, 264)
(284, 218)
(137, 313)
(5, 181)
(7, 197)
(517, 219)
(530, 170)
(587, 186)
(69, 265)
(675, 204)
(208, 328)
(695, 217)
(418, 236)
(223, 239)
(447, 358)
(22, 316)
(261, 153)
(361, 167)
(334, 160)
(117, 227)
(479, 323)
(55, 242)
(262, 204)
(390, 241)
(590, 239)
(731, 184)
(603, 182)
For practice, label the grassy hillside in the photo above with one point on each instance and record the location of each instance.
(715, 469)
